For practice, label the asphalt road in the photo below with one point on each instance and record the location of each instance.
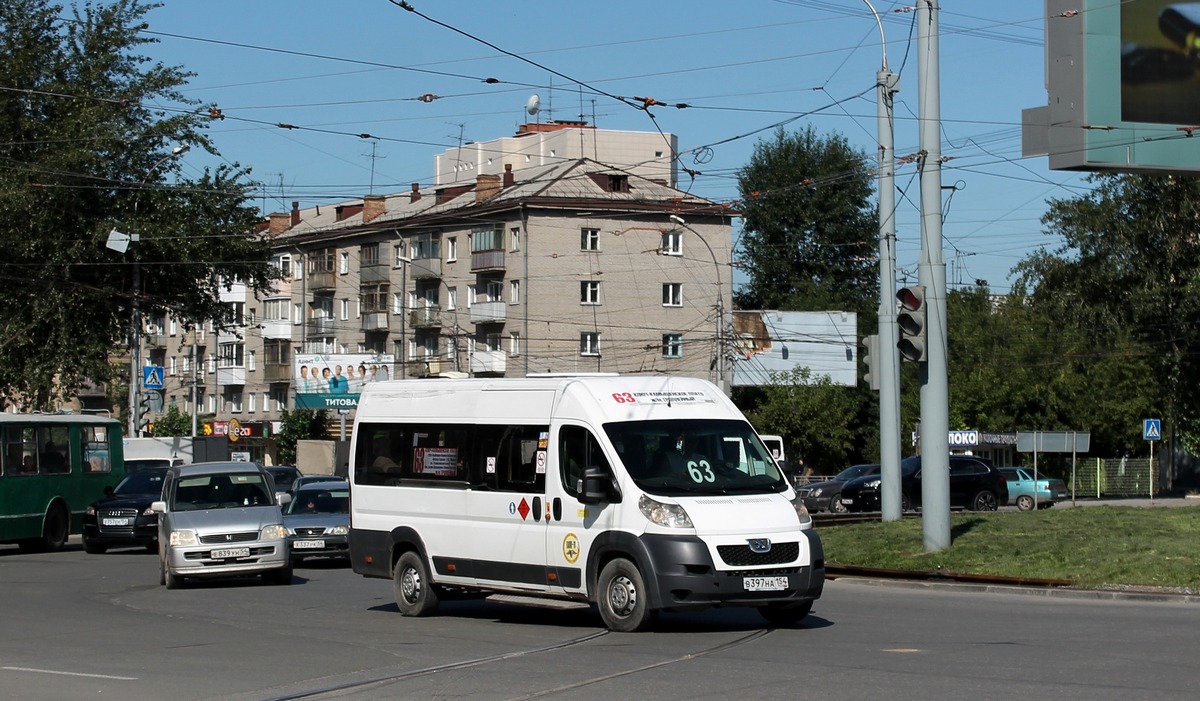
(78, 626)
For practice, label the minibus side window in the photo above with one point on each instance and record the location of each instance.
(515, 449)
(578, 449)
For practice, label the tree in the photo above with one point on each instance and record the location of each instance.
(173, 423)
(1127, 278)
(298, 425)
(810, 230)
(814, 417)
(86, 146)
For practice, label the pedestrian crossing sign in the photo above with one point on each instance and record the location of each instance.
(1152, 429)
(152, 377)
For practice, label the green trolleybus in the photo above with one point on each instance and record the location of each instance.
(51, 467)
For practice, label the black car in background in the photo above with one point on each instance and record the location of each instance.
(123, 517)
(827, 495)
(975, 485)
(283, 476)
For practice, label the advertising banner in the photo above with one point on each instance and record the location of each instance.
(334, 381)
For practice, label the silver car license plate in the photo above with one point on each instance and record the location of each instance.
(230, 552)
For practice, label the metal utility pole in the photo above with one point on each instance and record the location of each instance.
(721, 380)
(888, 359)
(931, 271)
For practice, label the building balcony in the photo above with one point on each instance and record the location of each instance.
(155, 340)
(489, 312)
(277, 372)
(425, 318)
(482, 261)
(276, 329)
(425, 268)
(370, 274)
(322, 326)
(231, 377)
(424, 367)
(488, 362)
(375, 321)
(322, 281)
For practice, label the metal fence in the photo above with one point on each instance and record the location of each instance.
(1116, 477)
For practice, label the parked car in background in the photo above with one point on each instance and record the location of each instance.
(123, 517)
(313, 479)
(283, 476)
(975, 485)
(1021, 489)
(318, 520)
(220, 519)
(827, 495)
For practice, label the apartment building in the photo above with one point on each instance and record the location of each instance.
(555, 264)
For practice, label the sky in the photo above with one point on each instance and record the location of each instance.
(417, 84)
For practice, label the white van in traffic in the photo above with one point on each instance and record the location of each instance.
(637, 494)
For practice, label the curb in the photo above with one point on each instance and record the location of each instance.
(1049, 592)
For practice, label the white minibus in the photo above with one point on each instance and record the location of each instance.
(636, 494)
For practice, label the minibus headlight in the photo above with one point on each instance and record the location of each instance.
(183, 538)
(668, 515)
(802, 513)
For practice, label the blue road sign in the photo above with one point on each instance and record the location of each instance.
(1152, 429)
(152, 377)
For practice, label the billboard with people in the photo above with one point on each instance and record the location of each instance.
(334, 381)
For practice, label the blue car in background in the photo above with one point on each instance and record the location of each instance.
(1021, 489)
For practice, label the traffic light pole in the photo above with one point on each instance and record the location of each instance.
(931, 271)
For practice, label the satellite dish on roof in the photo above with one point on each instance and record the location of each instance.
(534, 105)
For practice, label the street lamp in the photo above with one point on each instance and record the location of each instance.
(119, 242)
(720, 304)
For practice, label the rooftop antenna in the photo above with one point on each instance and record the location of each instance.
(373, 156)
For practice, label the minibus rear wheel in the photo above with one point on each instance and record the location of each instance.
(622, 597)
(415, 594)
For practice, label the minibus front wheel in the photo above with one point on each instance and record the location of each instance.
(415, 593)
(622, 597)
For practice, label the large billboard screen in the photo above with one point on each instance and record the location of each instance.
(1123, 85)
(334, 381)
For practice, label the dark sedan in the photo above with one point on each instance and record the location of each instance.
(975, 484)
(123, 517)
(318, 521)
(827, 495)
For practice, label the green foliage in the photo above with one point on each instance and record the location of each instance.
(814, 417)
(810, 231)
(173, 423)
(87, 131)
(1090, 546)
(297, 425)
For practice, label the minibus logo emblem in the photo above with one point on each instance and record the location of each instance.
(760, 545)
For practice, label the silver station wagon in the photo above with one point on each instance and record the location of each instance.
(221, 519)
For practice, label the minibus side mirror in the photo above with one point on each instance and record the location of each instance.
(594, 486)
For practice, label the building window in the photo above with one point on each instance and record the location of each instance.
(487, 239)
(251, 403)
(321, 261)
(589, 239)
(589, 292)
(514, 238)
(171, 369)
(375, 298)
(401, 259)
(427, 247)
(277, 309)
(451, 249)
(237, 313)
(283, 263)
(173, 326)
(231, 355)
(235, 402)
(514, 292)
(278, 397)
(344, 262)
(514, 343)
(672, 243)
(672, 294)
(451, 298)
(672, 346)
(368, 254)
(495, 291)
(492, 342)
(589, 343)
(345, 308)
(397, 302)
(471, 296)
(251, 361)
(298, 313)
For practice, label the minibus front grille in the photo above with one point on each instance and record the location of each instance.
(743, 556)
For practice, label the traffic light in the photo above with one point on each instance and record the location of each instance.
(911, 321)
(870, 356)
(143, 412)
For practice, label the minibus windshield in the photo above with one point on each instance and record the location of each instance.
(695, 456)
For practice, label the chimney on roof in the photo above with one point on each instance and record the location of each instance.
(509, 180)
(278, 222)
(416, 193)
(486, 187)
(373, 206)
(295, 213)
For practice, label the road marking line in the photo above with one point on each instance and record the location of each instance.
(68, 674)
